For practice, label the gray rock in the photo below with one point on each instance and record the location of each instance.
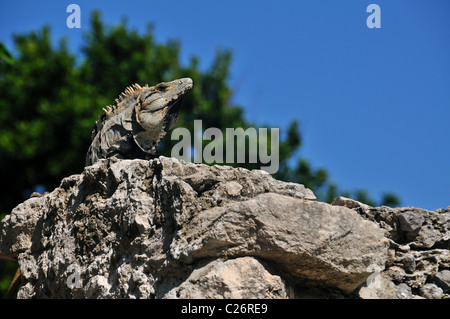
(418, 247)
(403, 291)
(431, 291)
(442, 279)
(301, 236)
(239, 278)
(410, 221)
(409, 263)
(152, 229)
(350, 203)
(169, 229)
(427, 237)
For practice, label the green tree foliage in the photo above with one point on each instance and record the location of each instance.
(49, 101)
(5, 55)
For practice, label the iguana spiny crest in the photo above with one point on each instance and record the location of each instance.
(134, 126)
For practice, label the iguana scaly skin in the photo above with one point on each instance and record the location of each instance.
(135, 125)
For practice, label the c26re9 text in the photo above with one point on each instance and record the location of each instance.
(231, 308)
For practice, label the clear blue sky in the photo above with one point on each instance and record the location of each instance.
(374, 104)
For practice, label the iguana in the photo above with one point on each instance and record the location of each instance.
(135, 125)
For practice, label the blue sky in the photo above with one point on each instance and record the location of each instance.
(374, 104)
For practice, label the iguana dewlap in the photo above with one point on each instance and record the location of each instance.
(136, 124)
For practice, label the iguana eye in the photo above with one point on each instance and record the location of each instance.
(162, 87)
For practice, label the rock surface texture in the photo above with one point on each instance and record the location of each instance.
(168, 229)
(418, 263)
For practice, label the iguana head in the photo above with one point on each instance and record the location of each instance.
(157, 111)
(158, 104)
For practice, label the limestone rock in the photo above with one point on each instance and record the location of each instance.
(410, 221)
(158, 228)
(402, 291)
(431, 291)
(443, 280)
(242, 277)
(418, 255)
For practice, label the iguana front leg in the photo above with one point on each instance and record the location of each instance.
(126, 148)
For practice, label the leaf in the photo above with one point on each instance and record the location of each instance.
(5, 55)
